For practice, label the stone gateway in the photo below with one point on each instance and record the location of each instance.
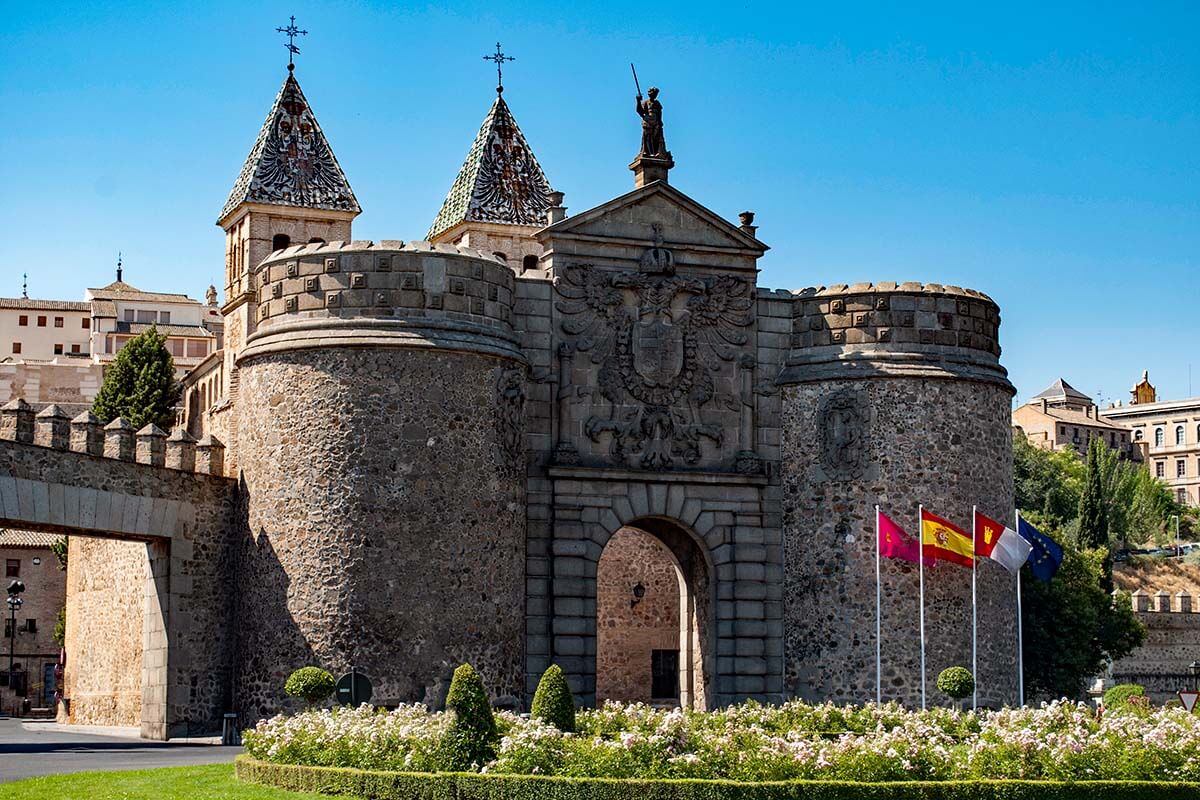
(536, 439)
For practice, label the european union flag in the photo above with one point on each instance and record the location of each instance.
(1046, 554)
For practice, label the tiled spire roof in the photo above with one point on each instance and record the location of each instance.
(291, 163)
(501, 180)
(1060, 389)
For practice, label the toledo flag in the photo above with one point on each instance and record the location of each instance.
(1000, 543)
(945, 541)
(895, 543)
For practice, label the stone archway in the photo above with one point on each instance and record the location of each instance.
(653, 604)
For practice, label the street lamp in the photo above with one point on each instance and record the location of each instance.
(14, 602)
(1194, 671)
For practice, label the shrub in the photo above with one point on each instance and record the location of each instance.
(553, 701)
(1123, 696)
(472, 738)
(956, 682)
(311, 684)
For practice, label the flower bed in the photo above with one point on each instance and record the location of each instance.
(747, 743)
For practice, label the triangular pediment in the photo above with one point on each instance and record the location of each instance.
(684, 222)
(291, 163)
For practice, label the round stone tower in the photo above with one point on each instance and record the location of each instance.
(382, 456)
(892, 395)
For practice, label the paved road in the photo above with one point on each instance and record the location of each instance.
(29, 749)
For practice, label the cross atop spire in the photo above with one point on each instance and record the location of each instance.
(499, 58)
(292, 32)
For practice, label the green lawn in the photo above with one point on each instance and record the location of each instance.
(210, 782)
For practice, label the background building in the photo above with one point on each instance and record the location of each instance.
(27, 557)
(1168, 433)
(1062, 417)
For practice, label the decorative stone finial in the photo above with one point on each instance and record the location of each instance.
(557, 211)
(211, 295)
(746, 218)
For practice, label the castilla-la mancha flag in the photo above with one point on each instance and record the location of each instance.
(944, 541)
(1000, 543)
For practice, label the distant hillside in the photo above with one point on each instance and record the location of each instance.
(1153, 574)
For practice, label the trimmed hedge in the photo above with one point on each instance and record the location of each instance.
(553, 701)
(473, 786)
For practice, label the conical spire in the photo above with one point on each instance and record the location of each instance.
(291, 163)
(500, 182)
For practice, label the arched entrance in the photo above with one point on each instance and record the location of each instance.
(653, 609)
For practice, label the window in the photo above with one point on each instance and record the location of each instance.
(197, 348)
(16, 347)
(1160, 469)
(1123, 439)
(41, 322)
(1180, 468)
(147, 317)
(1181, 495)
(58, 349)
(1138, 435)
(23, 320)
(1159, 437)
(12, 567)
(86, 323)
(1179, 435)
(164, 317)
(664, 674)
(75, 348)
(528, 263)
(30, 625)
(58, 322)
(129, 315)
(175, 346)
(280, 241)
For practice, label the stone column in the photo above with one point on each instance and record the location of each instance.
(52, 428)
(118, 440)
(151, 445)
(87, 434)
(16, 422)
(181, 450)
(210, 456)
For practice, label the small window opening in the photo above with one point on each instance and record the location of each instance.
(528, 263)
(281, 241)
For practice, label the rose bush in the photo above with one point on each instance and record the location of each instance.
(751, 742)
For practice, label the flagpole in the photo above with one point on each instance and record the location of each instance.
(1020, 633)
(974, 614)
(921, 568)
(878, 626)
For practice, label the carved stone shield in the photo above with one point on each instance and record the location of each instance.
(657, 352)
(843, 436)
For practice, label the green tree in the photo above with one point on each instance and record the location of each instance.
(140, 384)
(1047, 482)
(553, 701)
(59, 548)
(1072, 626)
(311, 684)
(1094, 507)
(60, 628)
(472, 737)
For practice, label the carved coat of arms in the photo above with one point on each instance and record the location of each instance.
(843, 435)
(659, 340)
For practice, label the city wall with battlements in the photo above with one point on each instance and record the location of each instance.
(1172, 644)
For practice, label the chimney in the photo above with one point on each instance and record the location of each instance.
(557, 211)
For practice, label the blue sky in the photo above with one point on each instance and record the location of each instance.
(1047, 156)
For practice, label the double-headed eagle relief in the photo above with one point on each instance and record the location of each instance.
(660, 341)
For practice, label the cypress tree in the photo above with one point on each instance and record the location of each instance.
(1093, 509)
(139, 385)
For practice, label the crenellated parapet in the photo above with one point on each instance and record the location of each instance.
(1161, 602)
(51, 428)
(888, 329)
(390, 293)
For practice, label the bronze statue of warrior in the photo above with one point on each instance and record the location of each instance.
(650, 110)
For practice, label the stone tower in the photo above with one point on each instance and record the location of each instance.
(290, 191)
(500, 197)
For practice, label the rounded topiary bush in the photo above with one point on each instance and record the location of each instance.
(956, 682)
(472, 738)
(553, 701)
(311, 684)
(1125, 695)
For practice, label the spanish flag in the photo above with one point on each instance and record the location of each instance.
(945, 541)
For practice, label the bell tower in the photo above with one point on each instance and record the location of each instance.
(291, 191)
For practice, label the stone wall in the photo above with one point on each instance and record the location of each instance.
(72, 384)
(630, 628)
(44, 596)
(1172, 643)
(105, 614)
